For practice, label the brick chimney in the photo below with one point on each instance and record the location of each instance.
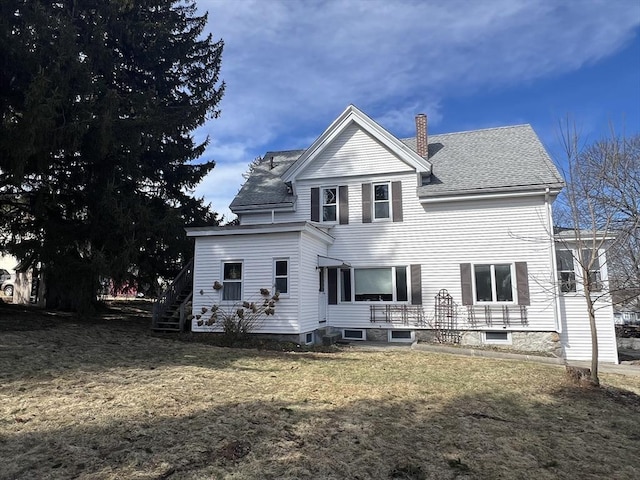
(421, 135)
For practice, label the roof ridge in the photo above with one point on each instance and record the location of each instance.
(503, 127)
(287, 151)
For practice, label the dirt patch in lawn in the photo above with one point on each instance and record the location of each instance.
(104, 398)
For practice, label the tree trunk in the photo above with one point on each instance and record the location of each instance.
(595, 380)
(71, 287)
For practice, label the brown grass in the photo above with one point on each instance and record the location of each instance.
(105, 399)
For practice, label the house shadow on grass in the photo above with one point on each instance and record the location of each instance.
(481, 436)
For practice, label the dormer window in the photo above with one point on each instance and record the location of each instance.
(381, 201)
(329, 204)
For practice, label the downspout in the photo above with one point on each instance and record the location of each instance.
(273, 216)
(554, 269)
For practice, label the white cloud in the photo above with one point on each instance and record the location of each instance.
(291, 67)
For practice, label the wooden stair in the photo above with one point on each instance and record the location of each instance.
(173, 306)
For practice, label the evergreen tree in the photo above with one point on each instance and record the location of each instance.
(99, 100)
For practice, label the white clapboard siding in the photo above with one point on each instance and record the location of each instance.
(257, 252)
(576, 333)
(310, 248)
(353, 152)
(440, 237)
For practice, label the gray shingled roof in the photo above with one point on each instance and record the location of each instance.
(490, 160)
(494, 159)
(264, 187)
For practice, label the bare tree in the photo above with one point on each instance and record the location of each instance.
(598, 213)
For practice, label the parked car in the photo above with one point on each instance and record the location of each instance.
(6, 282)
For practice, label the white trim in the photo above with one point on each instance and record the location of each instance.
(241, 282)
(390, 338)
(557, 311)
(389, 201)
(353, 115)
(494, 293)
(364, 334)
(288, 276)
(336, 205)
(278, 207)
(316, 230)
(394, 289)
(481, 195)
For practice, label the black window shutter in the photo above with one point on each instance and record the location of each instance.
(366, 203)
(332, 279)
(522, 277)
(343, 196)
(315, 204)
(396, 199)
(465, 281)
(416, 284)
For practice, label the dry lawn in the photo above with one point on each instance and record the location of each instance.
(105, 399)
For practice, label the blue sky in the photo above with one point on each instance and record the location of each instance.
(291, 67)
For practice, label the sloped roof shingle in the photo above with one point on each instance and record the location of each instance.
(490, 160)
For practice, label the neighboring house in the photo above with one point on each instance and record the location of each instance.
(626, 317)
(446, 237)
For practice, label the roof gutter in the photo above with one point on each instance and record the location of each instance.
(485, 196)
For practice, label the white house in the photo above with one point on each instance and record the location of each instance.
(372, 237)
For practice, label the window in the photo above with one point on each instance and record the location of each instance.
(497, 337)
(594, 270)
(493, 283)
(232, 281)
(401, 336)
(566, 273)
(381, 203)
(353, 335)
(345, 285)
(329, 204)
(281, 275)
(308, 338)
(384, 284)
(373, 284)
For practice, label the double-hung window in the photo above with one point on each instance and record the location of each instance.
(592, 264)
(493, 283)
(381, 284)
(329, 204)
(281, 275)
(566, 271)
(232, 281)
(381, 201)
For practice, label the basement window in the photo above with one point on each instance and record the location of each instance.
(353, 335)
(308, 338)
(401, 336)
(497, 338)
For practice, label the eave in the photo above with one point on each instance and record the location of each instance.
(353, 115)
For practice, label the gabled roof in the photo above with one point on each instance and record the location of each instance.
(350, 116)
(493, 160)
(503, 159)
